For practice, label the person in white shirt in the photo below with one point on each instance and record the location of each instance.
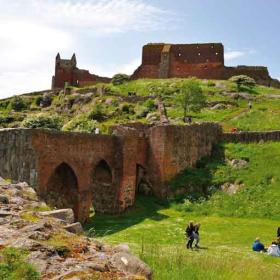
(273, 250)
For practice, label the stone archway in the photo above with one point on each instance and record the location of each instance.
(62, 188)
(103, 191)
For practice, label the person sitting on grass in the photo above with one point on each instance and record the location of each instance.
(189, 234)
(258, 246)
(278, 242)
(273, 250)
(196, 235)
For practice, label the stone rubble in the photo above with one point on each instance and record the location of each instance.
(54, 248)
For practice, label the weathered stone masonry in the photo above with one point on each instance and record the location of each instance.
(204, 61)
(82, 170)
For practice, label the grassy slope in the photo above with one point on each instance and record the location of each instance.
(229, 224)
(264, 116)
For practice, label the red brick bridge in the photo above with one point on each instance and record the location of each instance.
(102, 171)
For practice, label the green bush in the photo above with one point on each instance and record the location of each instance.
(120, 79)
(97, 113)
(38, 100)
(127, 108)
(19, 104)
(243, 82)
(43, 121)
(14, 267)
(81, 124)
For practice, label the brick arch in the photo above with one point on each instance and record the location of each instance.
(104, 191)
(62, 188)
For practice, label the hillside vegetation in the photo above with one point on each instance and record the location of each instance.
(234, 194)
(100, 106)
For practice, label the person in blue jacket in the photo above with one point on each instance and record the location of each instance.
(258, 246)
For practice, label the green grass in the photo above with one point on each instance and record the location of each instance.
(154, 229)
(156, 234)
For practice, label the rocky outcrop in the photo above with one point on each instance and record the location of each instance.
(53, 248)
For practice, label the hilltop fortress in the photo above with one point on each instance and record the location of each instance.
(162, 61)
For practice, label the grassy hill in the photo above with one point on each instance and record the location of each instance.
(155, 229)
(104, 105)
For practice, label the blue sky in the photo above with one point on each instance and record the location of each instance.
(107, 35)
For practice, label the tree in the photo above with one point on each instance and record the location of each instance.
(191, 97)
(243, 81)
(120, 79)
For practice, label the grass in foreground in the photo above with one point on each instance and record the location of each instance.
(230, 223)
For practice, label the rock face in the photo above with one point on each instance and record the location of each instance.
(53, 247)
(66, 215)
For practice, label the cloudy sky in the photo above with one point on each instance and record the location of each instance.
(107, 35)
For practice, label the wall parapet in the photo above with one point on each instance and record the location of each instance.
(251, 136)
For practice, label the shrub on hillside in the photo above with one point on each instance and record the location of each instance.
(43, 121)
(243, 82)
(97, 113)
(13, 266)
(19, 104)
(80, 124)
(127, 108)
(120, 79)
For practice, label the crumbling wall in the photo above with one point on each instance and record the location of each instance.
(204, 61)
(18, 159)
(175, 148)
(251, 136)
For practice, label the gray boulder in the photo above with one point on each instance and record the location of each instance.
(66, 215)
(74, 228)
(131, 264)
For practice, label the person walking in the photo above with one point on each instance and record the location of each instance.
(196, 235)
(189, 234)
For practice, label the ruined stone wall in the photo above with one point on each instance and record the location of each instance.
(251, 136)
(82, 171)
(204, 61)
(18, 159)
(66, 71)
(175, 148)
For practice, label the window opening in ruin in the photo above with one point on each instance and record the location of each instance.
(199, 53)
(62, 187)
(217, 53)
(179, 54)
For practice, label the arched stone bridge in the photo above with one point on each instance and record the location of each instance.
(81, 170)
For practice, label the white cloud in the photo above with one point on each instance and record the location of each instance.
(32, 31)
(232, 55)
(100, 16)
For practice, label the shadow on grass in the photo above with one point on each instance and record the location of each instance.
(144, 208)
(197, 183)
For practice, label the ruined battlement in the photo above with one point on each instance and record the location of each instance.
(67, 72)
(204, 61)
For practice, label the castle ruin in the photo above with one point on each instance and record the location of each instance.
(67, 73)
(163, 61)
(204, 61)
